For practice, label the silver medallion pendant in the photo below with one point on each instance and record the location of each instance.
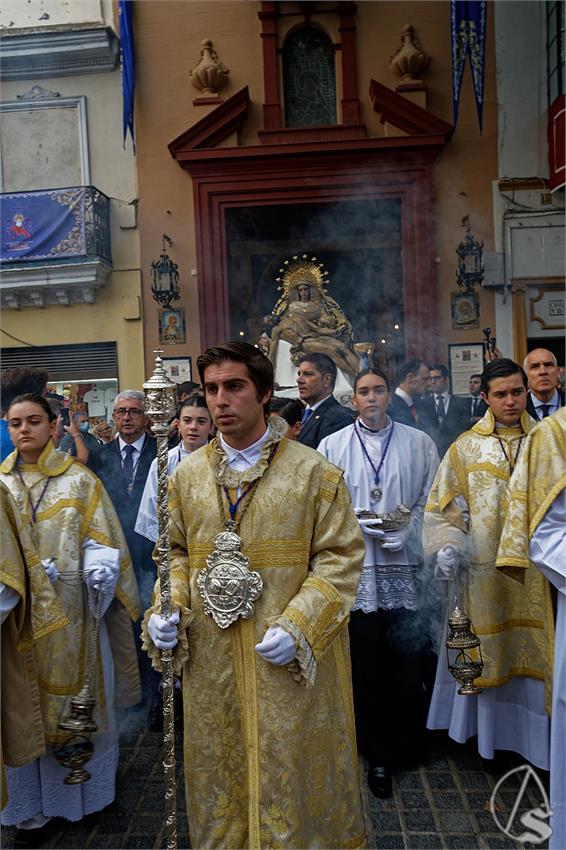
(227, 586)
(376, 494)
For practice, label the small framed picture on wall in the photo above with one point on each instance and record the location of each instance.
(172, 327)
(465, 361)
(465, 310)
(178, 369)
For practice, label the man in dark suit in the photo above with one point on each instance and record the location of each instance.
(543, 397)
(323, 414)
(123, 466)
(478, 407)
(448, 414)
(405, 401)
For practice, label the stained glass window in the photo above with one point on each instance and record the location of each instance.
(309, 79)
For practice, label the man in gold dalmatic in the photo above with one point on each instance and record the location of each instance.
(463, 523)
(266, 556)
(534, 538)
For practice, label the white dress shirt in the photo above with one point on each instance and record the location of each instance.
(138, 446)
(553, 404)
(241, 459)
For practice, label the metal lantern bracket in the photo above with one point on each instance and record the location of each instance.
(165, 277)
(470, 271)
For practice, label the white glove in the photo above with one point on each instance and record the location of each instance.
(50, 567)
(101, 577)
(447, 559)
(371, 532)
(394, 541)
(163, 632)
(277, 646)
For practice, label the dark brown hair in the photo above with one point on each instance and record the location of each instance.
(193, 401)
(290, 409)
(19, 380)
(260, 369)
(372, 371)
(502, 367)
(323, 364)
(33, 398)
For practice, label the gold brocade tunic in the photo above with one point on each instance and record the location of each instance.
(74, 507)
(270, 752)
(539, 478)
(513, 621)
(37, 614)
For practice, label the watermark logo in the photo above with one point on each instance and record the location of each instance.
(533, 821)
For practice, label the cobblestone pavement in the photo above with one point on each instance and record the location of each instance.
(443, 804)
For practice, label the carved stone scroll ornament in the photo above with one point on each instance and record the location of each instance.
(210, 74)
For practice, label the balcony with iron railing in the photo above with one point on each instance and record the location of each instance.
(55, 246)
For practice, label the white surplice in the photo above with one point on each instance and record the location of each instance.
(146, 522)
(389, 579)
(547, 551)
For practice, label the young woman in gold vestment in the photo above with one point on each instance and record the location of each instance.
(84, 555)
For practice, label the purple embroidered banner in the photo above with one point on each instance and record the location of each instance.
(468, 31)
(41, 225)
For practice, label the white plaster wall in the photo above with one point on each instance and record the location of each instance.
(49, 14)
(112, 168)
(520, 31)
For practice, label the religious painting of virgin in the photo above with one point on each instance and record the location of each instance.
(465, 310)
(172, 327)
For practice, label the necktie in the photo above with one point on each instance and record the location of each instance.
(544, 408)
(440, 409)
(475, 406)
(307, 415)
(128, 467)
(413, 410)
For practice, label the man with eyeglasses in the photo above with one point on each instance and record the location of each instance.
(123, 466)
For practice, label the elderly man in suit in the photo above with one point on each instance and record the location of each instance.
(123, 466)
(447, 414)
(323, 414)
(543, 397)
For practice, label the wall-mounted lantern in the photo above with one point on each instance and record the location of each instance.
(470, 271)
(165, 277)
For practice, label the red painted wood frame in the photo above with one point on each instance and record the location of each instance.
(272, 110)
(326, 172)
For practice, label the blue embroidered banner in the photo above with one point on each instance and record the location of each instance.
(468, 31)
(41, 225)
(127, 57)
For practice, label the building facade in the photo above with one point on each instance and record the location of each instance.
(268, 131)
(70, 285)
(352, 160)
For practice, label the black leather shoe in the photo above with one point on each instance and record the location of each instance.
(30, 839)
(379, 781)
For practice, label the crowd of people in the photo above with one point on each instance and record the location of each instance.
(312, 546)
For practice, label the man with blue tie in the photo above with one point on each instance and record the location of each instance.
(323, 415)
(543, 398)
(123, 466)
